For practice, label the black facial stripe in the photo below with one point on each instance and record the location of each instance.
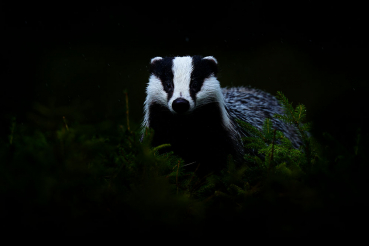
(202, 69)
(163, 70)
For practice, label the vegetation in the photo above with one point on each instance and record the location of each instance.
(84, 179)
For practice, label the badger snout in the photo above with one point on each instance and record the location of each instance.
(180, 105)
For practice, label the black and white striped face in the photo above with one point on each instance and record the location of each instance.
(182, 83)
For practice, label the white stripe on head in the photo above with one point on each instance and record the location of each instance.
(182, 69)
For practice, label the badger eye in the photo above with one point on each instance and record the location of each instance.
(194, 84)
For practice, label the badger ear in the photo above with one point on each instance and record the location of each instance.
(153, 60)
(154, 64)
(211, 58)
(212, 64)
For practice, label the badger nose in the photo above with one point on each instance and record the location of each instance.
(180, 105)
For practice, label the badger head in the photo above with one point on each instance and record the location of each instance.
(183, 84)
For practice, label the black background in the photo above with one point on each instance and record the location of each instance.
(79, 58)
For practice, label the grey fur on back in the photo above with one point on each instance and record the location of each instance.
(253, 106)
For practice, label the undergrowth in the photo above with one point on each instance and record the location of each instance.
(82, 179)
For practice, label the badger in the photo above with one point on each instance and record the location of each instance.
(187, 108)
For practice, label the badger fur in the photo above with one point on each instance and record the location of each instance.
(186, 107)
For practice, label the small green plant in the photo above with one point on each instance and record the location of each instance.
(275, 152)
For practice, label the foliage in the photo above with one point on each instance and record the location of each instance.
(275, 151)
(81, 179)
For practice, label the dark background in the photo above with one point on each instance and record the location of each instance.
(75, 61)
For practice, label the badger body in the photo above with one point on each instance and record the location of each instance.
(187, 108)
